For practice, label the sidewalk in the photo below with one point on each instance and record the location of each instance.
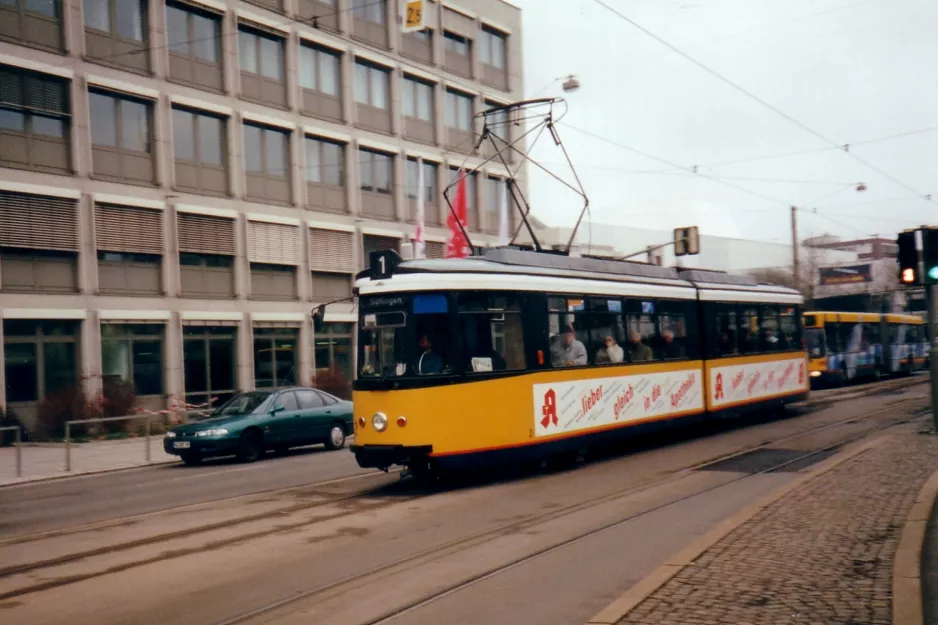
(822, 553)
(47, 460)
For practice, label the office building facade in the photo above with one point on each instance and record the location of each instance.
(181, 182)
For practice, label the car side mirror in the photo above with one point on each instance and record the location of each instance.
(278, 408)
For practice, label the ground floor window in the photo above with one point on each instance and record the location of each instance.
(40, 358)
(275, 351)
(209, 360)
(133, 353)
(333, 353)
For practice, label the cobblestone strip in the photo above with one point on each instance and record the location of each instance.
(821, 554)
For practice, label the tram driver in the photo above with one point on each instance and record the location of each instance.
(429, 362)
(566, 350)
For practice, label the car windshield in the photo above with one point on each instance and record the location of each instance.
(815, 342)
(244, 403)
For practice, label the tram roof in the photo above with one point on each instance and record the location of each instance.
(712, 285)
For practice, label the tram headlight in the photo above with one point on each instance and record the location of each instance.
(815, 374)
(379, 421)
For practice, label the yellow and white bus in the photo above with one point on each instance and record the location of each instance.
(520, 355)
(844, 346)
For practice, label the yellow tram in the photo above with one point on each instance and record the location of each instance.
(520, 355)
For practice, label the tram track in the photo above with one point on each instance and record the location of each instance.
(44, 571)
(452, 548)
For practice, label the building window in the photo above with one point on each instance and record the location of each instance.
(121, 139)
(206, 275)
(194, 39)
(38, 271)
(492, 48)
(371, 85)
(116, 33)
(206, 255)
(369, 21)
(371, 94)
(36, 23)
(272, 5)
(376, 171)
(40, 358)
(494, 61)
(34, 121)
(209, 362)
(122, 273)
(329, 287)
(38, 243)
(458, 111)
(262, 69)
(418, 99)
(333, 354)
(431, 212)
(275, 357)
(331, 251)
(267, 163)
(199, 151)
(496, 205)
(320, 13)
(457, 54)
(133, 353)
(320, 78)
(273, 282)
(325, 174)
(418, 45)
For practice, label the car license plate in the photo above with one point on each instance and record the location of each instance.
(182, 445)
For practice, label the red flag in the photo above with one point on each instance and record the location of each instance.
(458, 246)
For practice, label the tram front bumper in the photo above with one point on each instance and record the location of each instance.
(384, 456)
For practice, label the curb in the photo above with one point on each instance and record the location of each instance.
(64, 476)
(635, 595)
(907, 608)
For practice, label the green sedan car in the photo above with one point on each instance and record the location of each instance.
(251, 423)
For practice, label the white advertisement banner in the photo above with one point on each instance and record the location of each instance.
(566, 407)
(735, 384)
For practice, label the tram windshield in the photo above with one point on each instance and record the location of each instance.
(815, 340)
(404, 336)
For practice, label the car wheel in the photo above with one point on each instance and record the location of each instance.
(336, 438)
(250, 446)
(191, 459)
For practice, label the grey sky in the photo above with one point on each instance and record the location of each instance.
(852, 70)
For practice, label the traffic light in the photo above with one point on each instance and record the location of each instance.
(930, 254)
(908, 258)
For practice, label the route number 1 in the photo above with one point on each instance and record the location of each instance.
(413, 15)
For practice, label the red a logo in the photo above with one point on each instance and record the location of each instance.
(801, 374)
(549, 410)
(718, 387)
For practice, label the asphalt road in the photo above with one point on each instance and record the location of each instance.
(562, 544)
(43, 506)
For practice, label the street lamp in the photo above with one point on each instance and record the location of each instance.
(571, 84)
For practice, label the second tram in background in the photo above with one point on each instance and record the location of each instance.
(515, 356)
(844, 346)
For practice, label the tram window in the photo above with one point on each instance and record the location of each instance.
(606, 331)
(769, 329)
(832, 336)
(748, 329)
(432, 353)
(383, 347)
(492, 332)
(789, 328)
(566, 313)
(872, 333)
(640, 324)
(671, 343)
(726, 331)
